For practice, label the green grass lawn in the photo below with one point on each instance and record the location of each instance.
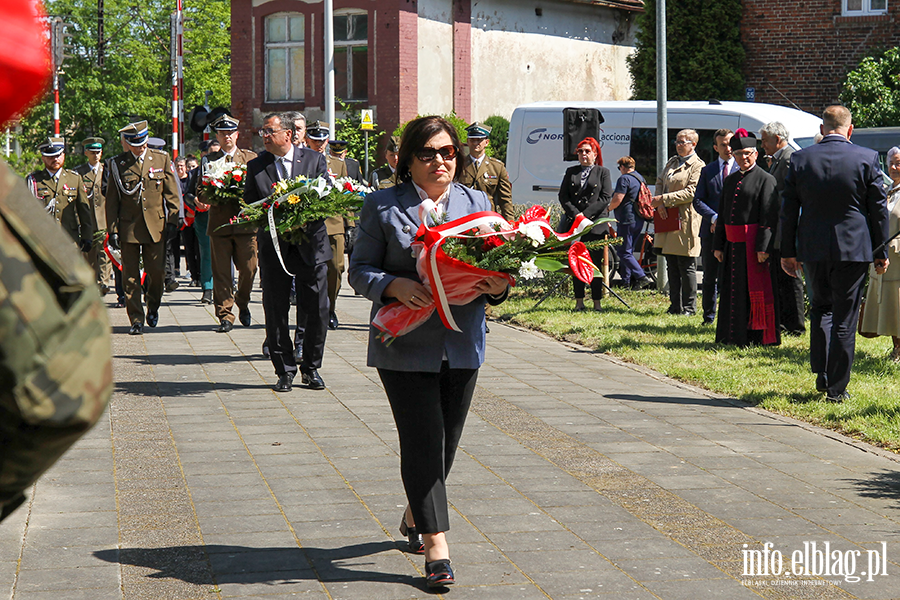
(774, 378)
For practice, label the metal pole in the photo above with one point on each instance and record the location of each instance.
(662, 125)
(173, 54)
(366, 167)
(329, 63)
(179, 72)
(206, 96)
(55, 101)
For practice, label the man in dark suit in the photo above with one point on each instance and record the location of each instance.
(283, 160)
(791, 308)
(706, 203)
(834, 214)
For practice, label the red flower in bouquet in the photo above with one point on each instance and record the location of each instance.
(493, 241)
(580, 262)
(535, 213)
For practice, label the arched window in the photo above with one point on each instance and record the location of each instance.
(351, 55)
(285, 35)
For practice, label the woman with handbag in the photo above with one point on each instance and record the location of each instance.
(881, 311)
(586, 190)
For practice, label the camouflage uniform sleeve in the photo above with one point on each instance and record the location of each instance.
(55, 355)
(503, 194)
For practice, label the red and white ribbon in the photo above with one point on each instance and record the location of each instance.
(434, 237)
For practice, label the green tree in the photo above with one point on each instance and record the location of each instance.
(872, 90)
(704, 55)
(135, 79)
(499, 137)
(348, 129)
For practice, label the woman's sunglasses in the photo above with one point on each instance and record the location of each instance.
(429, 154)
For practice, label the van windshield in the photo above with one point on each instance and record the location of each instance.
(805, 141)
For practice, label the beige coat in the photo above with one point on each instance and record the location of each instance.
(677, 184)
(882, 312)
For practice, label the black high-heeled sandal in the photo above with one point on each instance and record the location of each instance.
(438, 573)
(415, 543)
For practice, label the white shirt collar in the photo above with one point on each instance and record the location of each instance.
(289, 156)
(140, 157)
(55, 175)
(479, 160)
(753, 166)
(441, 202)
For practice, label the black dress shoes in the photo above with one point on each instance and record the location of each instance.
(207, 297)
(136, 329)
(225, 326)
(285, 383)
(438, 574)
(821, 382)
(244, 317)
(333, 321)
(414, 542)
(838, 398)
(312, 379)
(171, 286)
(152, 319)
(642, 283)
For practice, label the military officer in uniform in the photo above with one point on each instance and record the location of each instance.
(485, 173)
(317, 134)
(92, 175)
(61, 191)
(386, 176)
(141, 213)
(230, 243)
(338, 149)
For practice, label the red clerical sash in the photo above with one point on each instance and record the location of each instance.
(759, 282)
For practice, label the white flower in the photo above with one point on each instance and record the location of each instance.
(216, 169)
(527, 270)
(534, 232)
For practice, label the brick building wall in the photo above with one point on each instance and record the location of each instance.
(805, 49)
(462, 59)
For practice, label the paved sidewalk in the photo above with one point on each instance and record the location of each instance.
(578, 477)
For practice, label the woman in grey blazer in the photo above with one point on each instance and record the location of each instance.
(428, 374)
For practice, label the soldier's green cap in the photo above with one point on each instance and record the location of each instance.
(478, 130)
(394, 143)
(53, 146)
(93, 143)
(338, 145)
(225, 123)
(318, 130)
(136, 134)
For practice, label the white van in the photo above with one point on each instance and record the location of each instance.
(534, 156)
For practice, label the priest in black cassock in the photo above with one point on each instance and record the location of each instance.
(743, 243)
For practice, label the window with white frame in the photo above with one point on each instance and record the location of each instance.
(351, 55)
(856, 8)
(285, 54)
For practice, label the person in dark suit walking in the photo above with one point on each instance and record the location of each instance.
(587, 189)
(429, 374)
(834, 215)
(283, 160)
(791, 308)
(706, 203)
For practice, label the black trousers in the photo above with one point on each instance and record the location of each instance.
(682, 272)
(430, 412)
(173, 256)
(790, 300)
(710, 287)
(312, 292)
(834, 312)
(191, 251)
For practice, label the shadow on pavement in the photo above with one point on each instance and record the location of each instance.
(182, 359)
(881, 485)
(181, 388)
(218, 564)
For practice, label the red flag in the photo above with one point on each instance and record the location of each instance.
(24, 55)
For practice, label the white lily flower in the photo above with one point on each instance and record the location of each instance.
(534, 232)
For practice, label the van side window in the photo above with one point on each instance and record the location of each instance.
(643, 149)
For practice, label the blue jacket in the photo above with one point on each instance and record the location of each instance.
(382, 251)
(709, 194)
(834, 206)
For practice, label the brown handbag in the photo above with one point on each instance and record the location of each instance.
(859, 329)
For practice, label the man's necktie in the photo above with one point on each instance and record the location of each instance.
(229, 158)
(724, 171)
